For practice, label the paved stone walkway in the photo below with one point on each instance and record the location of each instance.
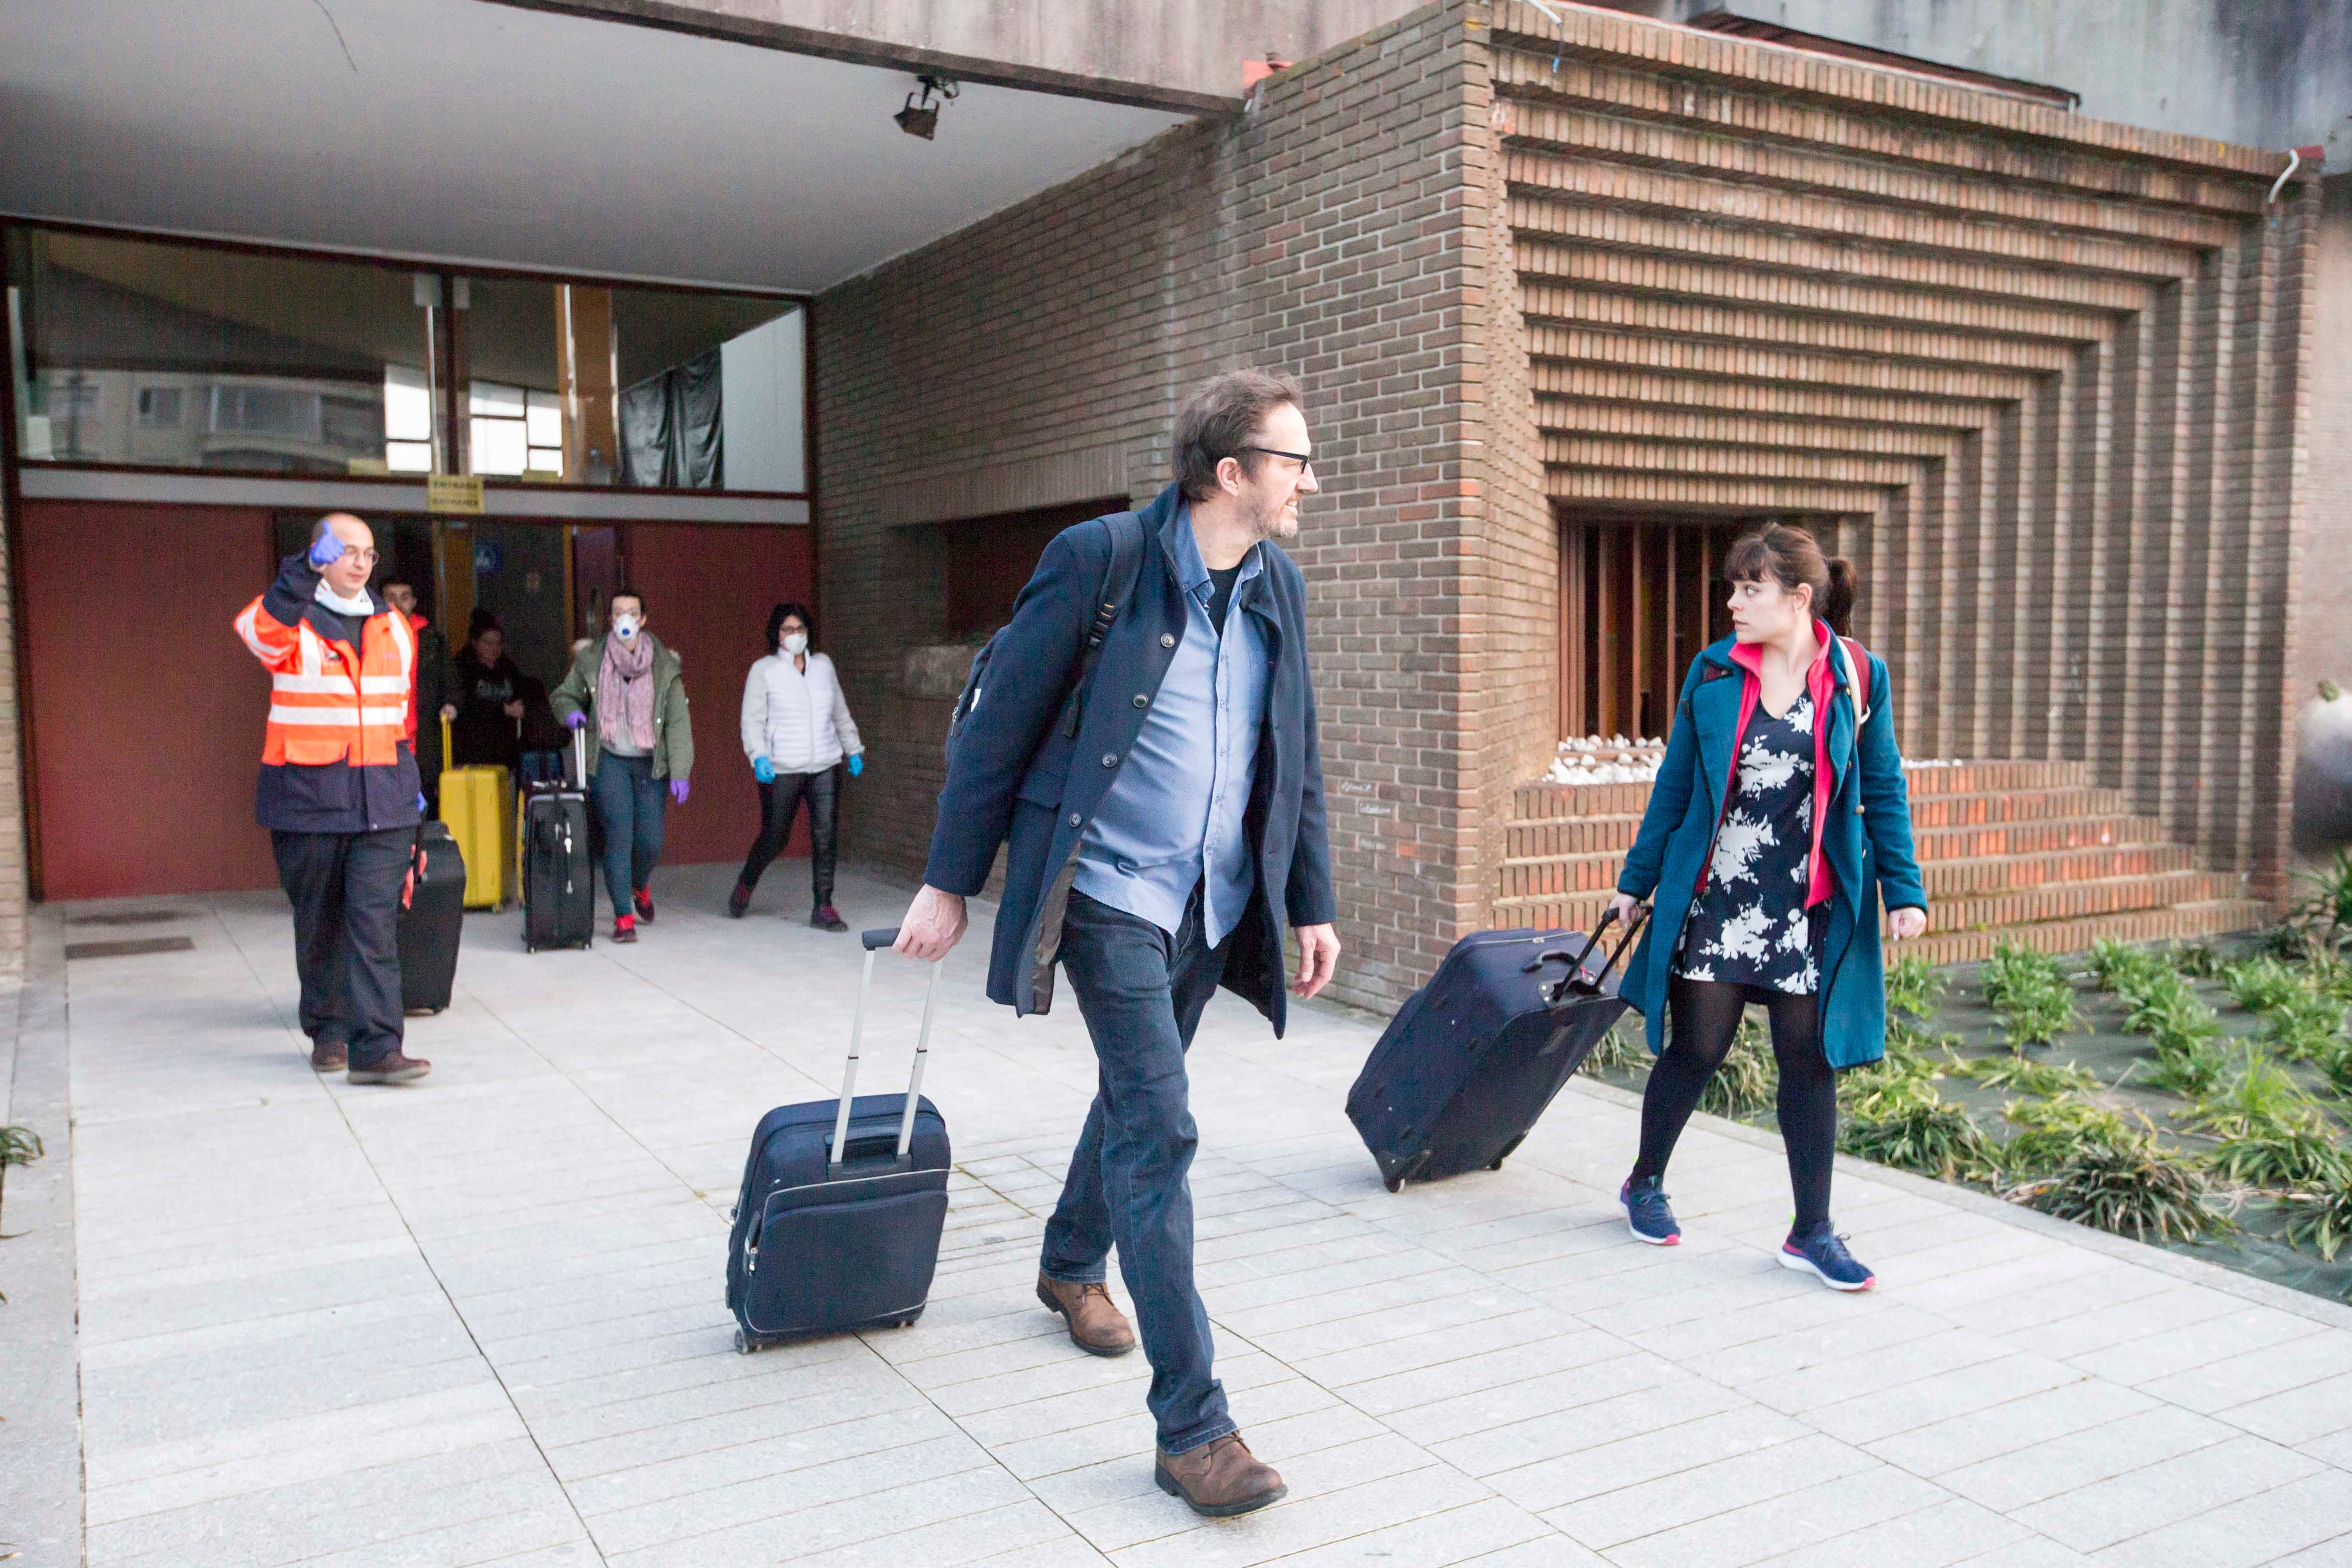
(480, 1321)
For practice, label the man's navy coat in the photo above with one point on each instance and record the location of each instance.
(1015, 778)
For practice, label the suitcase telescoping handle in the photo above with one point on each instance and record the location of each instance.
(580, 753)
(874, 942)
(1575, 980)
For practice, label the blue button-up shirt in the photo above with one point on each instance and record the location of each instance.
(1173, 817)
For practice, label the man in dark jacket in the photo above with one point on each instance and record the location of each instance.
(1157, 853)
(337, 791)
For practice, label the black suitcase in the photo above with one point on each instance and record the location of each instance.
(432, 917)
(558, 877)
(824, 1244)
(1473, 1058)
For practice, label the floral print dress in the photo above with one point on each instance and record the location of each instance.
(1749, 925)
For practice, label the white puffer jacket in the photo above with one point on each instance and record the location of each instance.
(798, 720)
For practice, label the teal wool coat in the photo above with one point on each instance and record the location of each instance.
(1867, 840)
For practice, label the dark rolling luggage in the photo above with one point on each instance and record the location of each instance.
(1471, 1060)
(837, 1226)
(432, 917)
(559, 877)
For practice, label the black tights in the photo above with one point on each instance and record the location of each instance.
(1706, 1015)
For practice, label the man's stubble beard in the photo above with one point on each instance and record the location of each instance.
(1277, 522)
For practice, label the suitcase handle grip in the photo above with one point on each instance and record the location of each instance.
(887, 936)
(1576, 984)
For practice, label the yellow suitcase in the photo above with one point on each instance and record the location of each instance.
(478, 804)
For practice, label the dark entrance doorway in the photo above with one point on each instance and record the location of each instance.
(1639, 598)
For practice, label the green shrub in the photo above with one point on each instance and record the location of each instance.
(2191, 1064)
(1898, 1119)
(2321, 1220)
(1749, 1080)
(2199, 961)
(2278, 1159)
(2260, 984)
(2015, 968)
(2122, 968)
(2260, 1100)
(19, 1146)
(2027, 1076)
(2326, 912)
(2305, 1028)
(2129, 1185)
(1912, 988)
(2328, 971)
(2051, 1130)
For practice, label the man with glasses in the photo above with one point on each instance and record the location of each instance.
(1165, 820)
(337, 791)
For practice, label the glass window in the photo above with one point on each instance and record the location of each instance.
(143, 352)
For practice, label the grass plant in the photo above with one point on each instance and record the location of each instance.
(1913, 989)
(2026, 1075)
(2259, 1100)
(2122, 968)
(2320, 1219)
(2260, 984)
(2324, 911)
(2305, 1027)
(1620, 1050)
(1898, 1119)
(2032, 994)
(2284, 1159)
(19, 1146)
(2126, 1184)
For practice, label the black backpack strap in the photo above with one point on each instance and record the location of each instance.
(1119, 574)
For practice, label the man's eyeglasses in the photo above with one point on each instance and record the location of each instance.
(365, 557)
(1306, 463)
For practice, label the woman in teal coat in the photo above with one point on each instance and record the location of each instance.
(1767, 875)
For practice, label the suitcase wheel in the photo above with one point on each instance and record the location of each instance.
(1496, 1165)
(744, 1344)
(1393, 1184)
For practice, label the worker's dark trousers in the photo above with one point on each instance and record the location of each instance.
(346, 888)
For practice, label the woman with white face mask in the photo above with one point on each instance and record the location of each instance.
(625, 695)
(796, 730)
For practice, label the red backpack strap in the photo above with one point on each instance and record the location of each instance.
(1857, 658)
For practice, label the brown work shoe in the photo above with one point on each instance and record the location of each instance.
(1097, 1326)
(1219, 1479)
(328, 1055)
(393, 1068)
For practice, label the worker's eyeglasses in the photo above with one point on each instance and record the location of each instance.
(365, 557)
(1306, 463)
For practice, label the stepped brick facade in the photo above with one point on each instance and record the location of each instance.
(2044, 379)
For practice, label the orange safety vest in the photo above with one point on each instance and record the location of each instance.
(328, 702)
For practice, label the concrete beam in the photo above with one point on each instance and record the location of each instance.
(1182, 58)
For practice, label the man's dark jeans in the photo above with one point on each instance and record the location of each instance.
(345, 890)
(1141, 992)
(629, 803)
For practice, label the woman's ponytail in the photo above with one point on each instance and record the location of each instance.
(1837, 604)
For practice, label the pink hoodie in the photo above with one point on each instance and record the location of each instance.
(1819, 680)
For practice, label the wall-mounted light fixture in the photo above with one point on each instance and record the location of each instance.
(922, 118)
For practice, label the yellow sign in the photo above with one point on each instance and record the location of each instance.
(453, 492)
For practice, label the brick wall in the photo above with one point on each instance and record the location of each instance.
(11, 774)
(2047, 380)
(1330, 233)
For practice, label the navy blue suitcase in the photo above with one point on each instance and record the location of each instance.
(837, 1226)
(1472, 1060)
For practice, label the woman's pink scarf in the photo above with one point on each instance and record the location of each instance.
(624, 693)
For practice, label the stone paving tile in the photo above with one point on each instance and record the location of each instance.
(1483, 1371)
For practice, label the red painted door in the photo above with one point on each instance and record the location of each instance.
(708, 588)
(146, 711)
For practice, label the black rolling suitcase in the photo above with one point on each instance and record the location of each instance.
(1471, 1060)
(559, 875)
(432, 917)
(823, 1243)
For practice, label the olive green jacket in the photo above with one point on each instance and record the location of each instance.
(673, 752)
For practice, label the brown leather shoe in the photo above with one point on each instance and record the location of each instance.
(1219, 1479)
(1097, 1326)
(393, 1068)
(328, 1055)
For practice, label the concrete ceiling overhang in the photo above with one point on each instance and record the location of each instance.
(456, 130)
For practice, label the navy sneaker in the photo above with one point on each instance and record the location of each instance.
(1823, 1252)
(1646, 1214)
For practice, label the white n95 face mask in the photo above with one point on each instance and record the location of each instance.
(626, 625)
(796, 642)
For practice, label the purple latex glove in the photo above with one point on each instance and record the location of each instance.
(678, 791)
(575, 720)
(326, 552)
(420, 802)
(857, 764)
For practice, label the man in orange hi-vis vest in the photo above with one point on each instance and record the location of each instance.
(339, 791)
